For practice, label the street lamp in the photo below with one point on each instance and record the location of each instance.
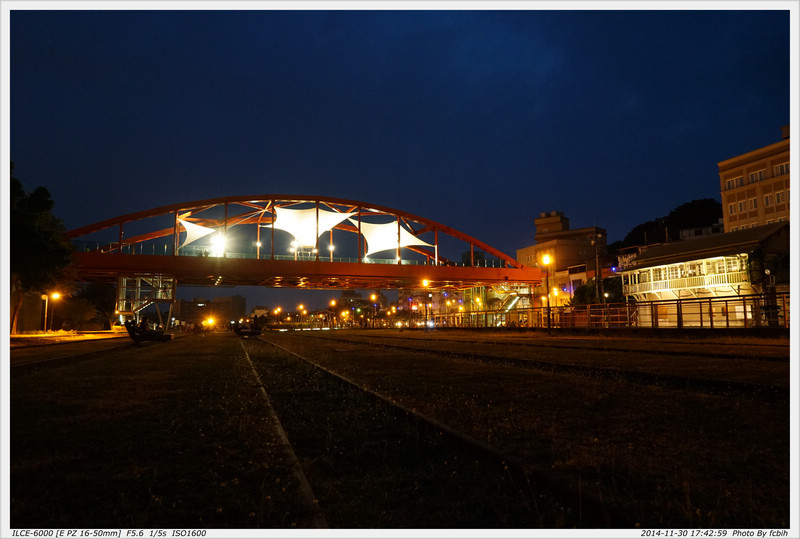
(373, 298)
(425, 283)
(546, 260)
(45, 297)
(333, 312)
(55, 296)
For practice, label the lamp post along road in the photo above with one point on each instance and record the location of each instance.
(45, 298)
(547, 260)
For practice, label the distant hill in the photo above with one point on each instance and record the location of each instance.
(694, 214)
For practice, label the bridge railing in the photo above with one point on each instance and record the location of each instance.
(164, 249)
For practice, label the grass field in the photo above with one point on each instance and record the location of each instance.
(669, 457)
(178, 435)
(174, 435)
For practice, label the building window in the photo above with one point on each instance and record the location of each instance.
(779, 198)
(753, 204)
(739, 181)
(767, 200)
(782, 169)
(731, 209)
(742, 206)
(756, 176)
(729, 184)
(673, 272)
(733, 264)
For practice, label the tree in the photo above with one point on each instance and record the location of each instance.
(103, 297)
(697, 213)
(74, 313)
(586, 294)
(40, 252)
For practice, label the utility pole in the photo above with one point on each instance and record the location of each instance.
(598, 272)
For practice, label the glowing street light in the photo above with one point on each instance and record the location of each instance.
(54, 296)
(332, 310)
(45, 297)
(547, 260)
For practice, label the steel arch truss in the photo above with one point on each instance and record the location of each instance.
(166, 241)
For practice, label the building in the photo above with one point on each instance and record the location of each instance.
(755, 186)
(746, 262)
(575, 255)
(566, 247)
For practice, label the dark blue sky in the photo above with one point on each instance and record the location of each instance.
(476, 119)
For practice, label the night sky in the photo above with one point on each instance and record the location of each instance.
(476, 119)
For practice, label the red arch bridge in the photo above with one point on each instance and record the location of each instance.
(284, 241)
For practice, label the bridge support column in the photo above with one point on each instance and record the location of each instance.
(137, 292)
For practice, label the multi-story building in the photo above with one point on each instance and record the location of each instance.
(566, 247)
(574, 255)
(755, 186)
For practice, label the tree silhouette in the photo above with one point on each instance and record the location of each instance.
(697, 213)
(40, 252)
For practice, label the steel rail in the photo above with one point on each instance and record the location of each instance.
(306, 492)
(590, 507)
(685, 383)
(656, 351)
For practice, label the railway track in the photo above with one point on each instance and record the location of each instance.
(745, 349)
(459, 481)
(524, 355)
(413, 436)
(603, 446)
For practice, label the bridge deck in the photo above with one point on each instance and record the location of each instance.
(290, 273)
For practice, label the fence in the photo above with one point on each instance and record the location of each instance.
(755, 311)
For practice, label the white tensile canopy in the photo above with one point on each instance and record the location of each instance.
(302, 223)
(194, 232)
(381, 237)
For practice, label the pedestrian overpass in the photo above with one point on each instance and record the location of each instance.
(283, 241)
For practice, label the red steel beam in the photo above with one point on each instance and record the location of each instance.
(203, 271)
(252, 202)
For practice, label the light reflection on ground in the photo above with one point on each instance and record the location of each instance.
(54, 337)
